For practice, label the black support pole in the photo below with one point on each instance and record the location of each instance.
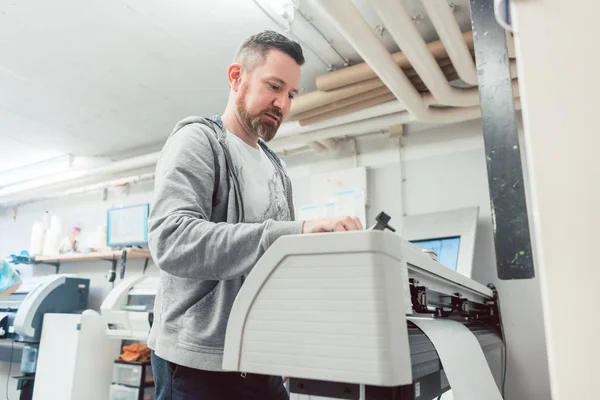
(505, 174)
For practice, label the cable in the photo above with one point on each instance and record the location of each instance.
(12, 348)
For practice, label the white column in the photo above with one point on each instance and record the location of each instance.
(557, 57)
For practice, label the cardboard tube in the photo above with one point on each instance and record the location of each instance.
(361, 72)
(447, 69)
(340, 104)
(348, 109)
(318, 98)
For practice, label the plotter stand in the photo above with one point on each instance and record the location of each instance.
(332, 311)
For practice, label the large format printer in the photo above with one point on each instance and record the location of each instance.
(22, 316)
(363, 315)
(337, 314)
(128, 308)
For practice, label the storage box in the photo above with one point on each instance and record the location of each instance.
(120, 392)
(132, 373)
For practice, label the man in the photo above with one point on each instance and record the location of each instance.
(222, 197)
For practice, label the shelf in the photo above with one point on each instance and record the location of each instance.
(92, 256)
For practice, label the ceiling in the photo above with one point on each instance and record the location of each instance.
(110, 77)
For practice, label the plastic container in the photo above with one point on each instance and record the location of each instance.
(52, 242)
(54, 236)
(101, 237)
(119, 392)
(135, 374)
(36, 244)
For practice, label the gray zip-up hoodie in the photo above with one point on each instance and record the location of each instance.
(200, 244)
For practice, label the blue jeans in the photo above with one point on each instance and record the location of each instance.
(176, 382)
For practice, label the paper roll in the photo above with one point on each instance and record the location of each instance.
(318, 98)
(319, 102)
(384, 98)
(341, 103)
(463, 360)
(362, 71)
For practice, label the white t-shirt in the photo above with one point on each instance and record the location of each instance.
(263, 193)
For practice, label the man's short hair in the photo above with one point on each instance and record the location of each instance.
(253, 50)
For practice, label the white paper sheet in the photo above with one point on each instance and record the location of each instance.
(463, 360)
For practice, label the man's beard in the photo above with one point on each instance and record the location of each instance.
(258, 124)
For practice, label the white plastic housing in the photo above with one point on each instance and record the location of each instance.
(124, 324)
(325, 306)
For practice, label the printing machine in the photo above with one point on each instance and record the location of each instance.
(128, 308)
(338, 313)
(22, 316)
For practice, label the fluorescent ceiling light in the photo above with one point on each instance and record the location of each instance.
(47, 172)
(34, 171)
(40, 182)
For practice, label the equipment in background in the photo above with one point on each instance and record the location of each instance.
(75, 358)
(128, 308)
(132, 380)
(342, 315)
(22, 315)
(127, 226)
(451, 235)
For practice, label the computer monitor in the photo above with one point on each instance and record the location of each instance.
(127, 226)
(451, 234)
(446, 249)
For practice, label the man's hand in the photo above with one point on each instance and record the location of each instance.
(338, 224)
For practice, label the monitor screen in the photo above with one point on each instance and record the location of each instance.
(445, 248)
(127, 226)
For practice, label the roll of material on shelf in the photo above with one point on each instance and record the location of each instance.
(465, 365)
(384, 98)
(361, 72)
(319, 103)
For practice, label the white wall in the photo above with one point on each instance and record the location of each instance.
(444, 168)
(561, 129)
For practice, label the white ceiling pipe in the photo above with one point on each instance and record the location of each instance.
(451, 115)
(42, 168)
(442, 18)
(331, 144)
(66, 186)
(112, 168)
(317, 147)
(293, 127)
(403, 30)
(56, 193)
(359, 34)
(353, 128)
(431, 101)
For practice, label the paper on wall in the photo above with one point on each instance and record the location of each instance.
(351, 202)
(348, 202)
(463, 360)
(316, 211)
